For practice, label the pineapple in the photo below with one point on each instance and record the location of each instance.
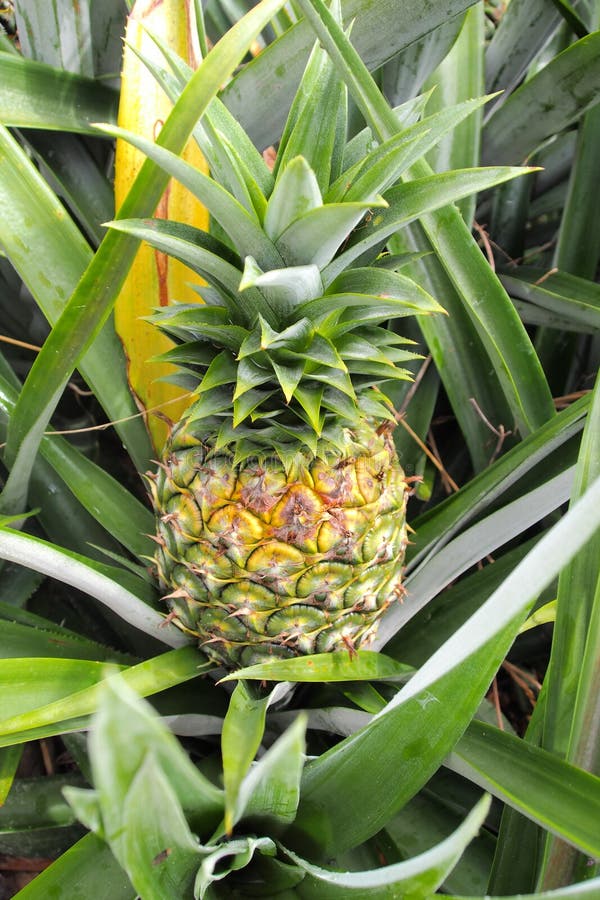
(271, 557)
(280, 500)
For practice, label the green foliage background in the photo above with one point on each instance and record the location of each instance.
(369, 771)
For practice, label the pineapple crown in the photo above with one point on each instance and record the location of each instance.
(293, 340)
(287, 358)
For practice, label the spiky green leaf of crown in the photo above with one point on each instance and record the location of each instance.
(284, 361)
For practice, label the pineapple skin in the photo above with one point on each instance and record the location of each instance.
(262, 562)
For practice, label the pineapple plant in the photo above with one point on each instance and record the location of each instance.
(273, 784)
(280, 499)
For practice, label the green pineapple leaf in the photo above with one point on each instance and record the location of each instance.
(68, 101)
(227, 857)
(322, 351)
(246, 404)
(317, 122)
(250, 345)
(341, 405)
(250, 375)
(210, 404)
(243, 729)
(337, 377)
(384, 165)
(352, 346)
(127, 732)
(364, 665)
(380, 371)
(311, 401)
(545, 104)
(202, 252)
(271, 789)
(316, 236)
(284, 288)
(295, 337)
(198, 353)
(381, 284)
(396, 261)
(225, 165)
(256, 196)
(222, 121)
(289, 377)
(296, 192)
(222, 370)
(417, 878)
(86, 806)
(240, 224)
(409, 201)
(156, 847)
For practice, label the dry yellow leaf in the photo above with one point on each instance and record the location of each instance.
(155, 279)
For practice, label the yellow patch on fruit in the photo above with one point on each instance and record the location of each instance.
(154, 279)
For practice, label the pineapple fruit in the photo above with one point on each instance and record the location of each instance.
(267, 557)
(280, 501)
